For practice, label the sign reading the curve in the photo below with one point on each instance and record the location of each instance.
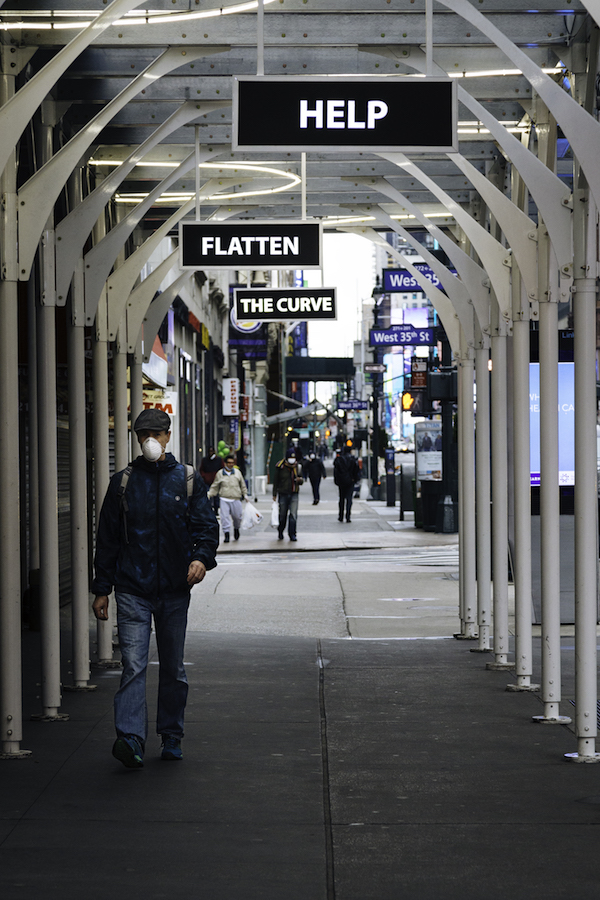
(335, 114)
(284, 304)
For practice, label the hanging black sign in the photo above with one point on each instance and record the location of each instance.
(284, 304)
(250, 245)
(330, 113)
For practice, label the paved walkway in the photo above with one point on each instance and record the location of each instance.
(322, 762)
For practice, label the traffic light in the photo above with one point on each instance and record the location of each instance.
(408, 400)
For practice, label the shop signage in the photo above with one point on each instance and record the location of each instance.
(250, 245)
(231, 396)
(336, 113)
(401, 334)
(284, 304)
(374, 368)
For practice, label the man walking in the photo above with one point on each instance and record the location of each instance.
(229, 486)
(209, 466)
(314, 470)
(286, 485)
(157, 537)
(345, 475)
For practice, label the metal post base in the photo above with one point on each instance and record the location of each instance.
(459, 636)
(15, 754)
(581, 758)
(79, 688)
(519, 688)
(108, 664)
(57, 717)
(481, 650)
(551, 720)
(499, 666)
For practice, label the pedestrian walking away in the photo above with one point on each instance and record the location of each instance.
(229, 486)
(345, 474)
(286, 485)
(314, 470)
(209, 466)
(157, 537)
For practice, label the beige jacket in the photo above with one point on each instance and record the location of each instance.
(229, 487)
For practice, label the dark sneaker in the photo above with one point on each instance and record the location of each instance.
(129, 751)
(171, 748)
(236, 534)
(226, 537)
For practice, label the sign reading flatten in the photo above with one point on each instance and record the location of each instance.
(247, 245)
(322, 113)
(283, 304)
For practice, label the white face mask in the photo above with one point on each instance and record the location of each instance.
(291, 460)
(312, 455)
(152, 449)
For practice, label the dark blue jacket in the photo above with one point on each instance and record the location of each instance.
(151, 558)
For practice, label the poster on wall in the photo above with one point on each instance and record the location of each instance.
(428, 451)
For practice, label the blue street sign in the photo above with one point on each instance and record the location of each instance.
(399, 335)
(398, 280)
(353, 404)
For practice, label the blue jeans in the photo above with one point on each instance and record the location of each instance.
(288, 503)
(134, 620)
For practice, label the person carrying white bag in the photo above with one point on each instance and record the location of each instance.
(230, 487)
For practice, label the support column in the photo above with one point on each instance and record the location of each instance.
(586, 525)
(136, 391)
(522, 506)
(483, 509)
(48, 459)
(120, 400)
(549, 492)
(467, 494)
(499, 495)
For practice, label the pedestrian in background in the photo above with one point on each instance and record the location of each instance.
(314, 470)
(229, 486)
(286, 485)
(345, 474)
(209, 466)
(157, 537)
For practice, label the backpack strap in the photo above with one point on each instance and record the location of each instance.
(123, 507)
(189, 483)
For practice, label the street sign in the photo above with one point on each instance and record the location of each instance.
(353, 404)
(374, 368)
(284, 304)
(401, 335)
(325, 113)
(250, 245)
(398, 280)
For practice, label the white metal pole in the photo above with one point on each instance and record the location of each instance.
(483, 487)
(586, 524)
(78, 501)
(467, 454)
(549, 492)
(303, 175)
(136, 391)
(120, 399)
(197, 169)
(101, 463)
(11, 713)
(499, 500)
(429, 36)
(522, 507)
(260, 38)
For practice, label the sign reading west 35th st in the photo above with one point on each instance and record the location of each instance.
(250, 245)
(284, 304)
(336, 114)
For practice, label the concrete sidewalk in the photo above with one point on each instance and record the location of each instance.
(314, 769)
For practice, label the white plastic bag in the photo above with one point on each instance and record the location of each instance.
(250, 516)
(275, 515)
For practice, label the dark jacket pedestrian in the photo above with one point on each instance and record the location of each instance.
(286, 485)
(209, 466)
(157, 537)
(314, 470)
(345, 474)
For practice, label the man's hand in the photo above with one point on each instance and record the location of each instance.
(100, 607)
(196, 572)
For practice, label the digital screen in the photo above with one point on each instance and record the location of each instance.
(566, 423)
